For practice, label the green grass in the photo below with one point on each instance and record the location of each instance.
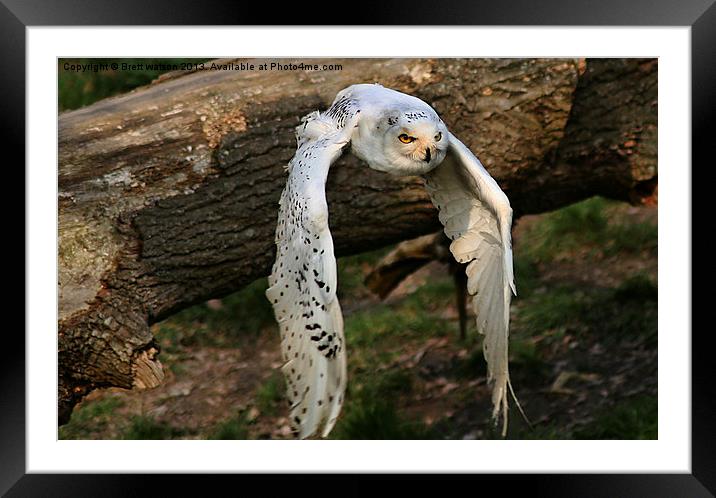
(370, 410)
(525, 356)
(145, 427)
(554, 309)
(526, 275)
(351, 271)
(271, 395)
(595, 226)
(637, 288)
(631, 419)
(78, 89)
(632, 238)
(232, 428)
(414, 317)
(590, 223)
(242, 314)
(376, 418)
(636, 418)
(629, 309)
(384, 325)
(90, 417)
(564, 230)
(390, 384)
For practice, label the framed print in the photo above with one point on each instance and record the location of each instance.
(174, 137)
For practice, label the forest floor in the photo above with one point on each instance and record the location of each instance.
(583, 349)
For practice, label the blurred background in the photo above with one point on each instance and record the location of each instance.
(583, 354)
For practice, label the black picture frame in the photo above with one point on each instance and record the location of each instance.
(700, 15)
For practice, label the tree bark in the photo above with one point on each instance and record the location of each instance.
(168, 195)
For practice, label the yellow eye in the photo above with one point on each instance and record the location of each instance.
(406, 139)
(438, 137)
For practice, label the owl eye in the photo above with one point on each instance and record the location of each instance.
(406, 139)
(438, 137)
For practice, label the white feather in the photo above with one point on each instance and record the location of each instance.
(303, 283)
(477, 216)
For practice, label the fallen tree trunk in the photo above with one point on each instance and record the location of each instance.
(168, 195)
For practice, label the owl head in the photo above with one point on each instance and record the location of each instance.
(406, 142)
(416, 142)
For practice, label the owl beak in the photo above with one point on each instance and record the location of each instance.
(427, 155)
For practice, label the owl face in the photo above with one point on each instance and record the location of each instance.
(412, 143)
(401, 143)
(422, 143)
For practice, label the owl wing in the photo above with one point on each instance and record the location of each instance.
(477, 218)
(302, 284)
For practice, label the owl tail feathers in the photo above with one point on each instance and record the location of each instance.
(500, 404)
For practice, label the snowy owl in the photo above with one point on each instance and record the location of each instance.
(401, 135)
